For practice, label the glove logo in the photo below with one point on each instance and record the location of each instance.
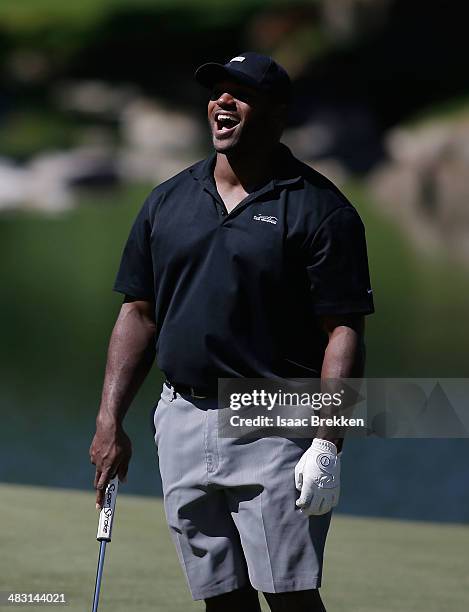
(325, 461)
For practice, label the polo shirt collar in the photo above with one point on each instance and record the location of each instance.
(204, 169)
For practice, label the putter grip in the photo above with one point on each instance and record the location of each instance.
(106, 516)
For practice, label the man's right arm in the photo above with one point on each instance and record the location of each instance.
(130, 356)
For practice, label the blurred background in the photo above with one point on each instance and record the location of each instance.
(98, 105)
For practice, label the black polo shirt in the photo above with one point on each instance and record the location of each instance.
(238, 294)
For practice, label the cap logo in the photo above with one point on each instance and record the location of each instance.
(238, 58)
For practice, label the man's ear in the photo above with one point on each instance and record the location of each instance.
(280, 112)
(278, 117)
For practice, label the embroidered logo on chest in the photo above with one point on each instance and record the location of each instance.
(266, 219)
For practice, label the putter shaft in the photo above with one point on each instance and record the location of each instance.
(99, 574)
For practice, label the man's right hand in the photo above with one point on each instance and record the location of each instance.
(110, 452)
(130, 356)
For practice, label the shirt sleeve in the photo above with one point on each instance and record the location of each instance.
(337, 265)
(135, 275)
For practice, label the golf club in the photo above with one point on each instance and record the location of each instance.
(103, 536)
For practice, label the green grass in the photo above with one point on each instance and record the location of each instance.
(47, 544)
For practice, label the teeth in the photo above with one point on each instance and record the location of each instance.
(226, 122)
(223, 117)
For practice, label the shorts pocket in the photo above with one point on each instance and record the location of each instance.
(152, 415)
(157, 412)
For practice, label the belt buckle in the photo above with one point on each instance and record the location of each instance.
(196, 396)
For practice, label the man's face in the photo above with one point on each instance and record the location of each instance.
(240, 118)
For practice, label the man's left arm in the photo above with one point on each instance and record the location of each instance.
(317, 474)
(344, 358)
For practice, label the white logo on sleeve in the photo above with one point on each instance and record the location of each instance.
(266, 219)
(238, 58)
(369, 290)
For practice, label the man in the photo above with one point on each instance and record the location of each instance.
(247, 264)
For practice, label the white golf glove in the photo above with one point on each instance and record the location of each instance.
(317, 476)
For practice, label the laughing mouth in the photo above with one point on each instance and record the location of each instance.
(225, 121)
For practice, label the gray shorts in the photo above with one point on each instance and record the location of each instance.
(230, 504)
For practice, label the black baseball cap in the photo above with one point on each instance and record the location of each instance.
(258, 71)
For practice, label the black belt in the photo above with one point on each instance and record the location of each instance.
(195, 392)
